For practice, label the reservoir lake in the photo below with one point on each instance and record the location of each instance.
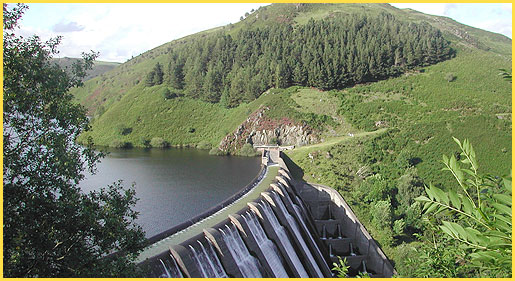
(173, 185)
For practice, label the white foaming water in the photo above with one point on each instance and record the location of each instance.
(246, 262)
(296, 231)
(167, 273)
(266, 245)
(171, 269)
(207, 261)
(281, 233)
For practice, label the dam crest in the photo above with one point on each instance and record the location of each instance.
(275, 227)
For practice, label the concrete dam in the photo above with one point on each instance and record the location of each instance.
(276, 227)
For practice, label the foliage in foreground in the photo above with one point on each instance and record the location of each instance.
(341, 268)
(479, 213)
(51, 228)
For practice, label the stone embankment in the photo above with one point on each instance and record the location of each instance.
(259, 129)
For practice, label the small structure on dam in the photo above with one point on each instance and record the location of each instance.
(275, 227)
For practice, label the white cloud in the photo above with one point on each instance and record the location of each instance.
(492, 17)
(498, 25)
(67, 27)
(506, 7)
(119, 31)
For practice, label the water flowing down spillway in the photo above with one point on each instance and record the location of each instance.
(296, 230)
(283, 237)
(298, 211)
(248, 264)
(266, 245)
(207, 261)
(287, 231)
(170, 268)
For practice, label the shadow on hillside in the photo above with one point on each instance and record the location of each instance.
(295, 170)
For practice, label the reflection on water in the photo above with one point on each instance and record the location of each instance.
(173, 184)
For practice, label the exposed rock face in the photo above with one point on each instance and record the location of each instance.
(259, 129)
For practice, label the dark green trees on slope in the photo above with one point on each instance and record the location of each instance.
(326, 54)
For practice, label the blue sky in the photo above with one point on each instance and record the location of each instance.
(119, 31)
(488, 16)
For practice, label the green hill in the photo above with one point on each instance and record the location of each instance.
(99, 67)
(374, 130)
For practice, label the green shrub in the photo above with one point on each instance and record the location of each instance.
(398, 227)
(450, 77)
(216, 151)
(145, 142)
(204, 145)
(191, 130)
(248, 150)
(409, 186)
(120, 144)
(159, 142)
(273, 141)
(123, 130)
(382, 214)
(167, 94)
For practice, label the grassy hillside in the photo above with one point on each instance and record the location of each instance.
(420, 112)
(99, 67)
(143, 113)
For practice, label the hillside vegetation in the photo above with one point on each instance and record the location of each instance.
(384, 118)
(380, 174)
(98, 68)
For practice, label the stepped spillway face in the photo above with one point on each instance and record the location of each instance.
(288, 229)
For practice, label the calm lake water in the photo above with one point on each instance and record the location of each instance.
(173, 184)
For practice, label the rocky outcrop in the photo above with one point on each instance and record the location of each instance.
(259, 129)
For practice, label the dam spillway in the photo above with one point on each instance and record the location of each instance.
(275, 228)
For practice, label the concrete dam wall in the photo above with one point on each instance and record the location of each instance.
(278, 228)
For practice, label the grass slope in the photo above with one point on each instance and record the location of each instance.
(144, 113)
(422, 111)
(99, 67)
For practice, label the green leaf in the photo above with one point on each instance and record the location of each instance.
(502, 218)
(470, 182)
(455, 200)
(502, 208)
(459, 174)
(422, 199)
(475, 236)
(445, 159)
(503, 226)
(497, 243)
(507, 184)
(467, 205)
(505, 199)
(453, 163)
(468, 172)
(429, 193)
(457, 141)
(461, 231)
(447, 231)
(440, 209)
(439, 194)
(485, 256)
(473, 156)
(431, 208)
(466, 146)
